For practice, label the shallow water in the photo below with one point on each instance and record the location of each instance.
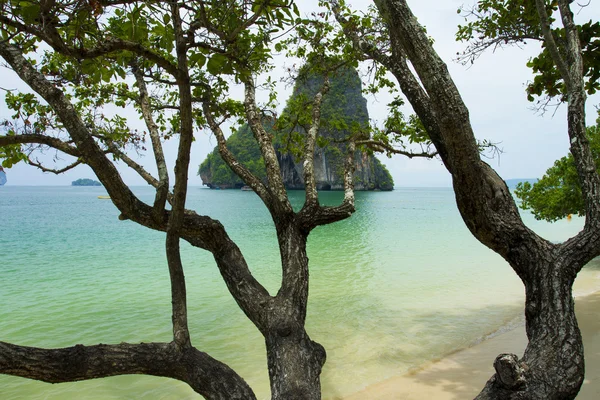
(400, 283)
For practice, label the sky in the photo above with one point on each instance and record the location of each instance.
(493, 89)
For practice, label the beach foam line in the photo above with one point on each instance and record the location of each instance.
(463, 374)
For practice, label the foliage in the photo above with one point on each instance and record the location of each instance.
(243, 145)
(498, 23)
(558, 193)
(93, 47)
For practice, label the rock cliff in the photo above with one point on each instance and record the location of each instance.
(344, 112)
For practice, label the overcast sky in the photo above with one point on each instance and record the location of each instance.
(493, 89)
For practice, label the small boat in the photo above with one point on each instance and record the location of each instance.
(246, 188)
(104, 197)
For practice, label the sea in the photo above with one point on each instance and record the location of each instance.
(399, 284)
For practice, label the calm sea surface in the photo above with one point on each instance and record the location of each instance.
(400, 283)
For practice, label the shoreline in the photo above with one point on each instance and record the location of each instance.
(463, 373)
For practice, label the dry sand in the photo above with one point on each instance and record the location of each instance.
(463, 374)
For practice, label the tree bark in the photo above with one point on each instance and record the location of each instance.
(295, 364)
(552, 366)
(294, 360)
(207, 376)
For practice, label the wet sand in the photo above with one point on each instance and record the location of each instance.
(463, 374)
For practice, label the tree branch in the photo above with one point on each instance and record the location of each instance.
(162, 189)
(551, 43)
(265, 142)
(181, 334)
(398, 66)
(588, 241)
(309, 147)
(207, 376)
(40, 139)
(151, 180)
(107, 46)
(367, 48)
(244, 173)
(476, 49)
(38, 165)
(313, 215)
(387, 148)
(200, 231)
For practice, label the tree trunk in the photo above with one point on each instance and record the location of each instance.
(295, 364)
(294, 360)
(553, 364)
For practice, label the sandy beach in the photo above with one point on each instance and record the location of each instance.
(463, 374)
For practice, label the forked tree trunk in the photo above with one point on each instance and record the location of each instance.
(552, 366)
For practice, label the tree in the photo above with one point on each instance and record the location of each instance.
(174, 64)
(558, 194)
(552, 366)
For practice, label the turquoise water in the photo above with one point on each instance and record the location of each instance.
(400, 283)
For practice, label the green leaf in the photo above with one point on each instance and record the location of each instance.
(197, 60)
(219, 64)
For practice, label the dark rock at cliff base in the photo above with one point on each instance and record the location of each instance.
(343, 113)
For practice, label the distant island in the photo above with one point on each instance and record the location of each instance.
(85, 182)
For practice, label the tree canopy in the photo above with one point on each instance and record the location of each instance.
(492, 24)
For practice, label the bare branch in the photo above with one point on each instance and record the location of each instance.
(476, 49)
(387, 148)
(39, 165)
(265, 142)
(309, 147)
(151, 180)
(162, 189)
